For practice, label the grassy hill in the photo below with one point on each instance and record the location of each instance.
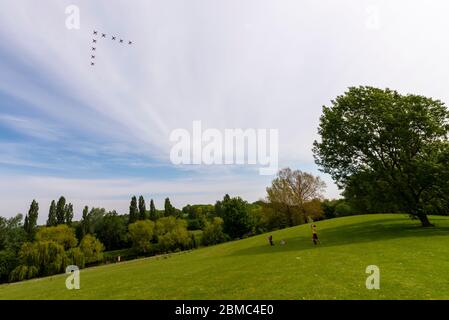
(413, 262)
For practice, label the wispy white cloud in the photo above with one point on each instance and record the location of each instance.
(31, 127)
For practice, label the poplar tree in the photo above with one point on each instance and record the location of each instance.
(31, 220)
(153, 212)
(52, 221)
(60, 211)
(133, 210)
(142, 209)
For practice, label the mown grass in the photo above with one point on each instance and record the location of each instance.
(413, 262)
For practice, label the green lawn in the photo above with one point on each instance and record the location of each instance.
(413, 262)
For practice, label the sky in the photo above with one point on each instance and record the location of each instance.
(100, 134)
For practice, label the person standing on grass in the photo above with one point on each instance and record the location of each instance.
(270, 239)
(315, 235)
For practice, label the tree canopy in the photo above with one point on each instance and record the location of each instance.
(234, 213)
(290, 197)
(384, 147)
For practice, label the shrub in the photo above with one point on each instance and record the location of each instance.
(141, 234)
(23, 272)
(213, 232)
(8, 262)
(92, 249)
(195, 239)
(172, 234)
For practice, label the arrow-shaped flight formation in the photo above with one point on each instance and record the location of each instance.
(103, 36)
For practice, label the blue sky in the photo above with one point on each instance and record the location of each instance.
(100, 134)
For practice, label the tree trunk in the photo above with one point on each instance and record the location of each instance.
(424, 220)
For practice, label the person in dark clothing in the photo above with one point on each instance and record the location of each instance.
(315, 235)
(270, 239)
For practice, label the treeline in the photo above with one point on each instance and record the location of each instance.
(28, 250)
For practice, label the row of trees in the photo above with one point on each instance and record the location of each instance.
(60, 213)
(294, 197)
(138, 210)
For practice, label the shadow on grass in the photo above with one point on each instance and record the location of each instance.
(364, 232)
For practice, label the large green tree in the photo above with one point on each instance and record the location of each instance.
(91, 248)
(213, 232)
(141, 234)
(111, 231)
(172, 234)
(381, 146)
(96, 215)
(235, 215)
(39, 258)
